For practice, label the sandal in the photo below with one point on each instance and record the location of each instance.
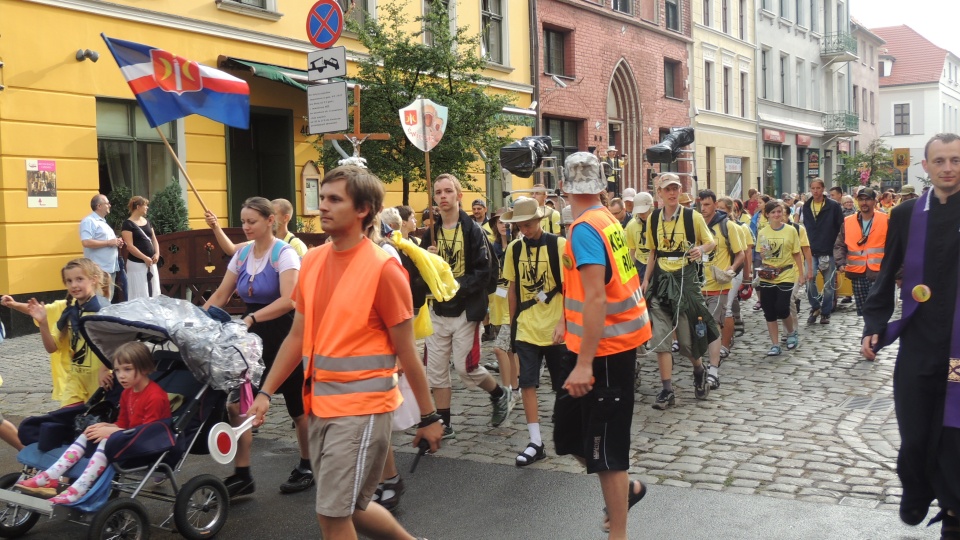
(775, 351)
(724, 352)
(949, 525)
(632, 500)
(524, 459)
(738, 328)
(792, 341)
(675, 346)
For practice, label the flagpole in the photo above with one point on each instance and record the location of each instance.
(182, 169)
(426, 157)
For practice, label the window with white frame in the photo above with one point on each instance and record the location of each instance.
(814, 15)
(783, 78)
(726, 90)
(873, 110)
(428, 7)
(856, 98)
(785, 9)
(742, 14)
(800, 85)
(554, 52)
(708, 86)
(744, 93)
(707, 8)
(623, 6)
(130, 153)
(901, 119)
(357, 10)
(725, 16)
(764, 73)
(491, 18)
(673, 8)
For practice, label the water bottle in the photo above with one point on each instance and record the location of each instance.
(701, 327)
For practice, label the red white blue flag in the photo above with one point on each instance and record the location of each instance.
(170, 87)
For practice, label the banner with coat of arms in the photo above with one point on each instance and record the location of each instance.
(424, 123)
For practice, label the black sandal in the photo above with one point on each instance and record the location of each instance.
(949, 525)
(632, 500)
(524, 459)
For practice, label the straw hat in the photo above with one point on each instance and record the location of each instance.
(685, 198)
(583, 175)
(524, 209)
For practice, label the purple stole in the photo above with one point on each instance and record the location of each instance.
(913, 277)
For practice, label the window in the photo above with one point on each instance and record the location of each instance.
(564, 134)
(262, 4)
(671, 79)
(863, 100)
(800, 85)
(428, 7)
(901, 119)
(553, 51)
(814, 12)
(357, 10)
(706, 12)
(743, 19)
(799, 14)
(766, 4)
(648, 10)
(130, 153)
(673, 14)
(726, 90)
(814, 88)
(873, 110)
(725, 16)
(623, 6)
(708, 86)
(744, 78)
(783, 78)
(856, 99)
(870, 54)
(785, 9)
(491, 18)
(764, 56)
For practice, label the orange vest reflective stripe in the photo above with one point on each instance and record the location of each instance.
(868, 255)
(350, 369)
(626, 325)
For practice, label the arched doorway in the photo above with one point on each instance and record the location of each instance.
(623, 124)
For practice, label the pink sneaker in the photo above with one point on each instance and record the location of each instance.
(30, 487)
(70, 495)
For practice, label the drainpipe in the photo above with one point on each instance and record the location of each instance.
(535, 62)
(756, 109)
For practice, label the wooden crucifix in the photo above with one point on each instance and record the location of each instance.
(356, 138)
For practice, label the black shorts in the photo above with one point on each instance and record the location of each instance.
(596, 427)
(531, 357)
(272, 333)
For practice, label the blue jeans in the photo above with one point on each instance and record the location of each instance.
(829, 272)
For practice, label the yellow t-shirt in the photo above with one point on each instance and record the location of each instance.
(671, 236)
(489, 232)
(74, 366)
(777, 248)
(746, 235)
(297, 244)
(499, 307)
(745, 218)
(536, 324)
(551, 222)
(636, 232)
(450, 248)
(720, 256)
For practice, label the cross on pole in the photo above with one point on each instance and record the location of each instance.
(357, 137)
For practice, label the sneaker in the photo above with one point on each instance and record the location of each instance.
(846, 300)
(700, 387)
(448, 433)
(757, 307)
(492, 367)
(813, 316)
(713, 381)
(501, 407)
(30, 487)
(666, 398)
(825, 319)
(390, 494)
(675, 346)
(298, 481)
(237, 486)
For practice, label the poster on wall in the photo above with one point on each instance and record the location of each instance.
(41, 183)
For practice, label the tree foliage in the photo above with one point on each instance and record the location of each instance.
(401, 67)
(872, 166)
(168, 211)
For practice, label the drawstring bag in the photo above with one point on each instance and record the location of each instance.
(246, 396)
(407, 414)
(422, 325)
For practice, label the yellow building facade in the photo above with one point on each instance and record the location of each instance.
(78, 115)
(724, 115)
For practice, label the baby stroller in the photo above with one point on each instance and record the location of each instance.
(198, 361)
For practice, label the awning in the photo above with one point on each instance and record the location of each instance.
(296, 78)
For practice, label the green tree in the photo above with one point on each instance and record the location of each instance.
(399, 68)
(168, 211)
(877, 158)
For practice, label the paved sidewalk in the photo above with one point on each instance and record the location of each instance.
(781, 427)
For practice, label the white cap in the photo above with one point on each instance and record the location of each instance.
(669, 178)
(642, 203)
(629, 194)
(583, 175)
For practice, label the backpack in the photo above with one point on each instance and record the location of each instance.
(726, 236)
(278, 247)
(493, 262)
(688, 230)
(549, 216)
(553, 256)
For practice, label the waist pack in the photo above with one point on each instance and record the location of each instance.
(101, 412)
(771, 273)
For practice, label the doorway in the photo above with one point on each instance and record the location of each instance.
(260, 160)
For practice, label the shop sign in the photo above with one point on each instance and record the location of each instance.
(774, 136)
(732, 164)
(813, 163)
(804, 140)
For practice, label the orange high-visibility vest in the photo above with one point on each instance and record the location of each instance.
(868, 255)
(349, 368)
(626, 325)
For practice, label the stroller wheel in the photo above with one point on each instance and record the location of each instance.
(14, 520)
(201, 507)
(121, 518)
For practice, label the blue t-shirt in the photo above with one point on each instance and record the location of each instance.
(588, 247)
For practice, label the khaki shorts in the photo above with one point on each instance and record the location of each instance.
(456, 339)
(347, 455)
(717, 305)
(662, 320)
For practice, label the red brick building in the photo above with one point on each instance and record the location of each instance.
(613, 73)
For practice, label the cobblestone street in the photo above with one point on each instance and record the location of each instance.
(816, 424)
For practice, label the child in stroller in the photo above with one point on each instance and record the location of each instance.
(142, 401)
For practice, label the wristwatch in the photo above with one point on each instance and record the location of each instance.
(429, 419)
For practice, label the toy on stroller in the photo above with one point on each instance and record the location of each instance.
(198, 360)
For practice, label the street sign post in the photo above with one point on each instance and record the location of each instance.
(324, 23)
(327, 107)
(327, 63)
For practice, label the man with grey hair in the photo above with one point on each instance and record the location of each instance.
(605, 320)
(100, 243)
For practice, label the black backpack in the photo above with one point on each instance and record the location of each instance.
(688, 230)
(553, 256)
(493, 262)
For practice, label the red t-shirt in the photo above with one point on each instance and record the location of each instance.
(138, 408)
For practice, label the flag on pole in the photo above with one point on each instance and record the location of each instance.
(168, 87)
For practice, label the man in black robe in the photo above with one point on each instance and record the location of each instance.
(929, 460)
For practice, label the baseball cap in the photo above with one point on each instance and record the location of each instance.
(669, 178)
(479, 202)
(629, 194)
(867, 193)
(642, 203)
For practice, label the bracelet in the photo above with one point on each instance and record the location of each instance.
(252, 318)
(431, 419)
(269, 397)
(428, 415)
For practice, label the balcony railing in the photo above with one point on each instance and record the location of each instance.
(841, 122)
(841, 44)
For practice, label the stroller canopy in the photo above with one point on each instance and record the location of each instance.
(221, 355)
